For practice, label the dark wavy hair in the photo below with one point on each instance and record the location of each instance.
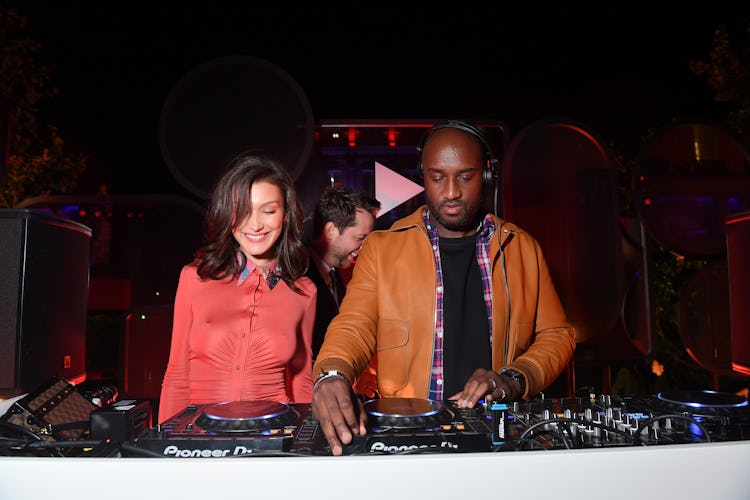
(230, 204)
(339, 205)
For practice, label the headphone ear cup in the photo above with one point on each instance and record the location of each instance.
(489, 174)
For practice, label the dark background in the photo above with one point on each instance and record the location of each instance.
(621, 69)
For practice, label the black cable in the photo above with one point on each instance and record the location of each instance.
(533, 439)
(66, 444)
(531, 428)
(20, 429)
(678, 416)
(140, 451)
(8, 443)
(82, 425)
(563, 427)
(17, 446)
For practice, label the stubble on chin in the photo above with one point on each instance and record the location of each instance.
(464, 223)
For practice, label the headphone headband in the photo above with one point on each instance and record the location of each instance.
(489, 173)
(458, 125)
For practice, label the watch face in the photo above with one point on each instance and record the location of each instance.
(515, 376)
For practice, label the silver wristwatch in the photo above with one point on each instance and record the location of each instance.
(515, 376)
(330, 374)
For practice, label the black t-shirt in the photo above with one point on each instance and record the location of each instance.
(466, 344)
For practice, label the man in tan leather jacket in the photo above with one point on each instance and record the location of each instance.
(457, 303)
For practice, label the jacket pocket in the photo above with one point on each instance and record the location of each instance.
(392, 347)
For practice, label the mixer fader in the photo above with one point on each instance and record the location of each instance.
(601, 420)
(413, 425)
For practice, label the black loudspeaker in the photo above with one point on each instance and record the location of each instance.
(738, 268)
(43, 299)
(490, 170)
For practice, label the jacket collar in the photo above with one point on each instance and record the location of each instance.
(415, 220)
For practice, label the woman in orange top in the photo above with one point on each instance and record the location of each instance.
(244, 311)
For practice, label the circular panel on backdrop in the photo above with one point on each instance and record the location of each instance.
(704, 318)
(559, 184)
(738, 270)
(687, 179)
(229, 105)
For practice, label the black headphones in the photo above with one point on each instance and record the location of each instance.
(489, 173)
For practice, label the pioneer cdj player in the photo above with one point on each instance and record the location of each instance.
(413, 425)
(227, 429)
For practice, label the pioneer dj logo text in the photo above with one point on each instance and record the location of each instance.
(174, 451)
(380, 447)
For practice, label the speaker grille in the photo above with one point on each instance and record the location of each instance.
(43, 298)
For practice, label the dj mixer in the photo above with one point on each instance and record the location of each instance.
(413, 425)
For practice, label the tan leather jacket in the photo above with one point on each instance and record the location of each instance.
(389, 306)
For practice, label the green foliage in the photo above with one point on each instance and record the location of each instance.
(669, 274)
(727, 71)
(36, 162)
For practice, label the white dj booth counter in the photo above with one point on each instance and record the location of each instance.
(711, 471)
(705, 470)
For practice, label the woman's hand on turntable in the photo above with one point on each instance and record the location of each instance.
(486, 384)
(339, 414)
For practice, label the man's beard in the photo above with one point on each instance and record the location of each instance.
(343, 260)
(467, 222)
